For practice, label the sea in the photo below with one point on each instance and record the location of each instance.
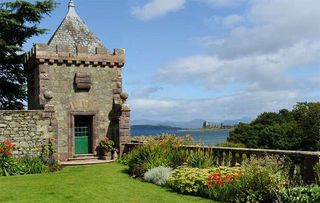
(202, 137)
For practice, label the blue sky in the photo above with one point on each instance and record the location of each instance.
(209, 59)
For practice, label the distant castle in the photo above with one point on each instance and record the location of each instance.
(209, 125)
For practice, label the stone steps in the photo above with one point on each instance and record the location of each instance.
(85, 159)
(85, 162)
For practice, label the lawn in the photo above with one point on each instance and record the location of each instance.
(98, 183)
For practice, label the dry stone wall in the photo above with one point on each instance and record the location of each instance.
(30, 130)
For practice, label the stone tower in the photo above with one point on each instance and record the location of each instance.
(78, 83)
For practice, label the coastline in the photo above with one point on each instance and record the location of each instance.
(202, 130)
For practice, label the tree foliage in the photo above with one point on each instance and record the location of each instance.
(298, 129)
(19, 20)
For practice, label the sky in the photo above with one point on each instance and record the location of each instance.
(207, 59)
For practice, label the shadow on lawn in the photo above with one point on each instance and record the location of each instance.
(126, 171)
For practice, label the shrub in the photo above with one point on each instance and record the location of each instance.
(9, 166)
(47, 156)
(262, 180)
(194, 180)
(137, 170)
(158, 175)
(307, 194)
(200, 159)
(159, 151)
(48, 150)
(33, 165)
(189, 180)
(123, 160)
(146, 157)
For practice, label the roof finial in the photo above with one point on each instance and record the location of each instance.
(71, 3)
(71, 10)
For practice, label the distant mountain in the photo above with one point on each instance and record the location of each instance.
(153, 127)
(237, 121)
(196, 123)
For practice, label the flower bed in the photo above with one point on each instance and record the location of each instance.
(10, 165)
(260, 179)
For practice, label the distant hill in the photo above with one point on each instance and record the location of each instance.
(237, 121)
(196, 123)
(153, 127)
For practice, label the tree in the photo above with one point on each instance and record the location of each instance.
(19, 20)
(308, 117)
(267, 118)
(298, 129)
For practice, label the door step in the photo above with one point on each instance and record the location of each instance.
(85, 159)
(79, 157)
(85, 162)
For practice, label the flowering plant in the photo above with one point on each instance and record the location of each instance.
(220, 180)
(106, 145)
(223, 186)
(6, 148)
(8, 163)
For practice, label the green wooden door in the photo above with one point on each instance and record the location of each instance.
(82, 132)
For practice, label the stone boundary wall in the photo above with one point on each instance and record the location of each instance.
(124, 123)
(305, 160)
(29, 130)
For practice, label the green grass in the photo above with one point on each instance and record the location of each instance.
(98, 183)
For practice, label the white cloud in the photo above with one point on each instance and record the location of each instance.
(264, 56)
(221, 2)
(228, 21)
(145, 92)
(315, 83)
(257, 72)
(157, 8)
(209, 41)
(260, 55)
(213, 20)
(263, 53)
(232, 20)
(274, 25)
(214, 109)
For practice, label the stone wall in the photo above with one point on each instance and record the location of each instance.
(97, 102)
(124, 124)
(28, 129)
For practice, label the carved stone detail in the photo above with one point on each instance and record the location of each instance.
(48, 94)
(83, 81)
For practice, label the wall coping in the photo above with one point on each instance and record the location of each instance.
(22, 111)
(249, 150)
(42, 54)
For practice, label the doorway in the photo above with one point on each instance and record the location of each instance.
(83, 134)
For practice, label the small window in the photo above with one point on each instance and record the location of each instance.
(82, 81)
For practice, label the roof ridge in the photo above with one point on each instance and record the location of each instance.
(73, 32)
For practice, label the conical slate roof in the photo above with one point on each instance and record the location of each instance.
(72, 32)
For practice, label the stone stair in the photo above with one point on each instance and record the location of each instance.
(85, 159)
